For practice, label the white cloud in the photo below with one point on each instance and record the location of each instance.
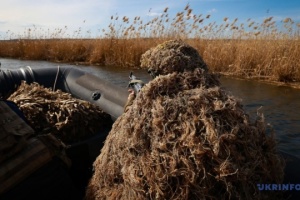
(154, 14)
(19, 14)
(212, 10)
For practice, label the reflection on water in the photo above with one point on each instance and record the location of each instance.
(279, 104)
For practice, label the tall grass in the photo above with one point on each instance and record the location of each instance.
(265, 50)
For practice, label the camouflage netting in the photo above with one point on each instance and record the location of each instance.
(185, 138)
(56, 112)
(170, 56)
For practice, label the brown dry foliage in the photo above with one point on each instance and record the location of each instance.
(266, 49)
(185, 138)
(58, 113)
(171, 56)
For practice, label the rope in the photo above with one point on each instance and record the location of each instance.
(56, 78)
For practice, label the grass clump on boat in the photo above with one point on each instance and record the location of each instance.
(185, 138)
(57, 112)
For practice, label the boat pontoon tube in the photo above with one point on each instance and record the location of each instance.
(110, 98)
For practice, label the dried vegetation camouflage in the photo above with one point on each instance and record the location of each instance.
(184, 137)
(69, 119)
(170, 57)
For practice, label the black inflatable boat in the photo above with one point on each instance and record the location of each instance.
(109, 98)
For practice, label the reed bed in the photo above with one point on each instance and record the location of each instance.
(267, 50)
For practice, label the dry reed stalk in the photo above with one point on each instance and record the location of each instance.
(273, 47)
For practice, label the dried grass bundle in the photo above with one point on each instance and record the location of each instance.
(57, 112)
(185, 138)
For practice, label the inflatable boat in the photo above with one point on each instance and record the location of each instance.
(110, 98)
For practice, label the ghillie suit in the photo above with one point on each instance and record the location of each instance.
(184, 137)
(171, 56)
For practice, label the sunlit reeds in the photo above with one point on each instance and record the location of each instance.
(267, 50)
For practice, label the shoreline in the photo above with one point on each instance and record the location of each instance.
(294, 85)
(267, 80)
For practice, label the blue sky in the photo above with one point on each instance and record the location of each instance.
(17, 16)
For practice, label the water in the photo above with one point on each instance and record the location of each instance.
(280, 104)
